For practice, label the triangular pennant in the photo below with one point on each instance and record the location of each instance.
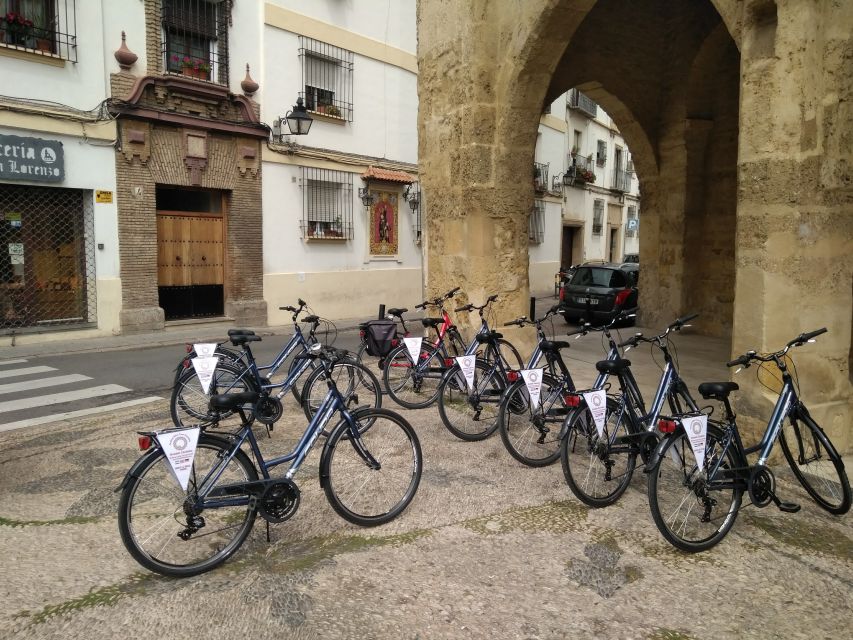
(204, 349)
(204, 369)
(597, 403)
(467, 364)
(533, 380)
(696, 428)
(414, 347)
(179, 447)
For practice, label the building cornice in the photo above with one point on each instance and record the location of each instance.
(293, 154)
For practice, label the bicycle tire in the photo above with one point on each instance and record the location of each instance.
(352, 486)
(815, 474)
(226, 355)
(587, 459)
(462, 410)
(355, 382)
(408, 388)
(527, 436)
(152, 492)
(676, 475)
(188, 404)
(512, 361)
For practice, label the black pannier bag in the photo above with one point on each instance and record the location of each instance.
(380, 337)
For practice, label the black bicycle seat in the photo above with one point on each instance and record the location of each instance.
(233, 400)
(240, 332)
(717, 390)
(238, 340)
(614, 367)
(553, 345)
(396, 312)
(309, 319)
(488, 337)
(432, 322)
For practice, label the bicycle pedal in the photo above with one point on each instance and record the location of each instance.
(788, 507)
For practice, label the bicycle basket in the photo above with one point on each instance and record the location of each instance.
(380, 337)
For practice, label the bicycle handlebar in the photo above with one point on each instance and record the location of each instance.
(742, 360)
(680, 322)
(467, 307)
(805, 337)
(633, 341)
(799, 341)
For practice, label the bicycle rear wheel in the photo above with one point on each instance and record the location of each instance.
(189, 404)
(692, 510)
(509, 354)
(358, 490)
(471, 414)
(413, 387)
(598, 469)
(532, 435)
(816, 463)
(357, 385)
(155, 514)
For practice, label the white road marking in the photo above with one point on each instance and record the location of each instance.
(32, 422)
(58, 398)
(26, 371)
(41, 383)
(18, 361)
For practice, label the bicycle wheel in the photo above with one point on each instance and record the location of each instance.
(189, 404)
(691, 510)
(363, 493)
(509, 354)
(356, 383)
(471, 414)
(532, 434)
(816, 463)
(228, 356)
(154, 513)
(598, 469)
(413, 387)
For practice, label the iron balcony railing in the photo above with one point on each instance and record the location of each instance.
(540, 177)
(582, 103)
(45, 27)
(195, 39)
(621, 180)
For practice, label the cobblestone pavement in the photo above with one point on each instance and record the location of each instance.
(488, 549)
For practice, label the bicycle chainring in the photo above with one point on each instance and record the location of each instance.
(279, 502)
(762, 486)
(268, 410)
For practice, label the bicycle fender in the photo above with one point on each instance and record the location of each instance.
(324, 456)
(654, 459)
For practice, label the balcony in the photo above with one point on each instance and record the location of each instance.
(195, 40)
(40, 26)
(580, 171)
(580, 102)
(621, 181)
(540, 177)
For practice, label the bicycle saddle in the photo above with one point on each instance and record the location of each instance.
(240, 332)
(432, 322)
(614, 367)
(243, 339)
(553, 345)
(233, 400)
(717, 390)
(308, 319)
(488, 337)
(396, 312)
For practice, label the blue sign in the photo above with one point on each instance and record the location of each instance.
(31, 159)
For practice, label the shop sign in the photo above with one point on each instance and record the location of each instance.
(103, 196)
(31, 159)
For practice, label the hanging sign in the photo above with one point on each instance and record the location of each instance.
(414, 347)
(31, 159)
(597, 403)
(179, 448)
(696, 428)
(204, 368)
(205, 349)
(533, 380)
(466, 364)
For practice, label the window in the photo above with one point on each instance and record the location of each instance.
(536, 223)
(47, 27)
(599, 277)
(601, 156)
(195, 38)
(326, 204)
(327, 78)
(632, 223)
(597, 217)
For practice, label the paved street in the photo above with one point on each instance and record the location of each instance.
(488, 549)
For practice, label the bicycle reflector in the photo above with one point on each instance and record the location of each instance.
(188, 347)
(448, 362)
(512, 376)
(667, 426)
(144, 443)
(572, 400)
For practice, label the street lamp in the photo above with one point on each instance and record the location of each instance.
(298, 120)
(365, 195)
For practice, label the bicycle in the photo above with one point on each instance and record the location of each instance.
(599, 460)
(392, 337)
(183, 532)
(694, 509)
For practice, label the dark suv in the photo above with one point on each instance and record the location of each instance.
(597, 291)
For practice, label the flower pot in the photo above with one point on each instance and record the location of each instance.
(195, 73)
(44, 44)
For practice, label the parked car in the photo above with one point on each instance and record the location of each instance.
(597, 291)
(631, 257)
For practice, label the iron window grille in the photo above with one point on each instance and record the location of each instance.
(327, 78)
(540, 176)
(195, 39)
(326, 204)
(584, 104)
(631, 227)
(621, 180)
(601, 154)
(597, 217)
(536, 223)
(46, 27)
(47, 267)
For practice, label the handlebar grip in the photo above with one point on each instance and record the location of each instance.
(301, 302)
(633, 341)
(492, 298)
(422, 305)
(805, 337)
(576, 332)
(452, 292)
(288, 308)
(467, 307)
(744, 359)
(684, 320)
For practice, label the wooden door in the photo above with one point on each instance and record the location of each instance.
(190, 250)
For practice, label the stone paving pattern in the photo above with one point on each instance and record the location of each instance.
(488, 549)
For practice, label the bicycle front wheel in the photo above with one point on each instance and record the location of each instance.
(598, 468)
(371, 478)
(189, 404)
(357, 385)
(816, 464)
(532, 434)
(409, 385)
(162, 526)
(471, 413)
(695, 508)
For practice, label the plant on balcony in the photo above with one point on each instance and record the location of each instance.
(192, 67)
(575, 151)
(18, 28)
(585, 175)
(332, 110)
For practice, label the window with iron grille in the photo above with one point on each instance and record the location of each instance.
(631, 226)
(601, 155)
(536, 223)
(195, 38)
(326, 78)
(47, 266)
(47, 27)
(326, 204)
(597, 217)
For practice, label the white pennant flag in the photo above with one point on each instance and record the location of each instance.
(179, 447)
(204, 349)
(597, 403)
(204, 368)
(414, 347)
(467, 363)
(696, 428)
(533, 380)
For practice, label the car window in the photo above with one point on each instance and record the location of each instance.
(617, 280)
(595, 277)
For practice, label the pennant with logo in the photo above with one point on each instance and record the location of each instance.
(597, 403)
(204, 369)
(533, 380)
(205, 349)
(414, 347)
(466, 364)
(696, 428)
(179, 448)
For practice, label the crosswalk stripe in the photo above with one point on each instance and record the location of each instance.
(41, 383)
(67, 415)
(58, 398)
(26, 371)
(18, 361)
